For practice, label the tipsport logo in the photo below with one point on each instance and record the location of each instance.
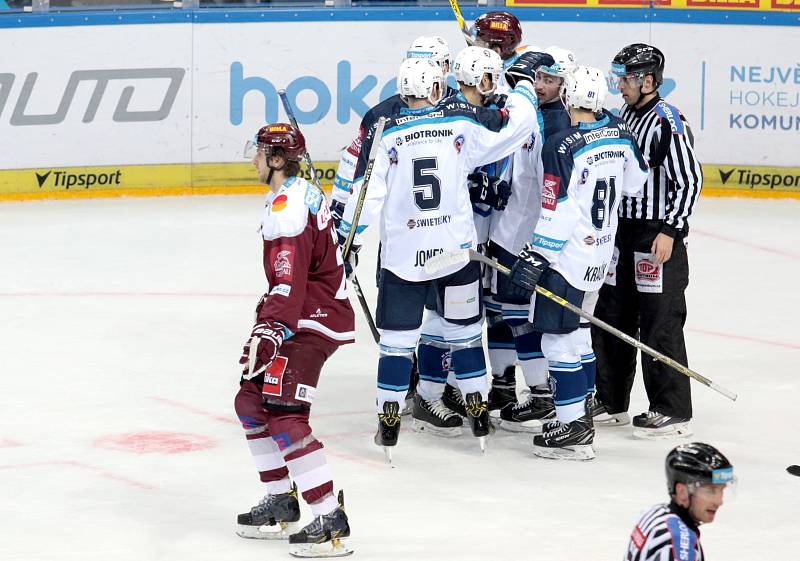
(350, 94)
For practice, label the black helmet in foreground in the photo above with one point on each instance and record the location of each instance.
(639, 59)
(699, 464)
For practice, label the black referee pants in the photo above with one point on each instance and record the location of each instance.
(638, 306)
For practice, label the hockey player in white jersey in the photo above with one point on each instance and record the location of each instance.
(424, 46)
(419, 182)
(586, 169)
(477, 71)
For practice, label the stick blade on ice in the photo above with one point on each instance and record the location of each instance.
(446, 260)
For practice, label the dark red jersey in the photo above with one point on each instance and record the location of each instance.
(307, 287)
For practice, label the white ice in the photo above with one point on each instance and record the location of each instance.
(128, 316)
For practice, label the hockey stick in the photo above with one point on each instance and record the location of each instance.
(313, 172)
(362, 194)
(444, 260)
(461, 23)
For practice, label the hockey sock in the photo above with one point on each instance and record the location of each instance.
(280, 486)
(589, 364)
(303, 455)
(433, 364)
(570, 388)
(528, 345)
(500, 341)
(394, 374)
(268, 459)
(469, 366)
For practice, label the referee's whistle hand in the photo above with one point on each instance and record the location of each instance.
(661, 249)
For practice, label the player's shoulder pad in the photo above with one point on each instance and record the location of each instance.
(670, 114)
(684, 540)
(563, 142)
(287, 215)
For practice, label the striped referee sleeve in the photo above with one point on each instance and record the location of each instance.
(684, 170)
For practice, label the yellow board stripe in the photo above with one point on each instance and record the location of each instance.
(240, 178)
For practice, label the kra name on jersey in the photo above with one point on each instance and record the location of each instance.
(605, 155)
(600, 133)
(595, 274)
(428, 134)
(425, 254)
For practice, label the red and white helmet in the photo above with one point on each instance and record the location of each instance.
(564, 62)
(416, 79)
(585, 88)
(497, 29)
(432, 47)
(473, 62)
(277, 135)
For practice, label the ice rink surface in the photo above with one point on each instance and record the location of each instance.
(122, 324)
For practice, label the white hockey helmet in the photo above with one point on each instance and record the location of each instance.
(417, 77)
(432, 47)
(564, 62)
(584, 88)
(473, 62)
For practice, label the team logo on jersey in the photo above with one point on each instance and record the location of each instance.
(393, 156)
(584, 176)
(399, 140)
(279, 203)
(446, 361)
(550, 191)
(458, 143)
(273, 377)
(283, 264)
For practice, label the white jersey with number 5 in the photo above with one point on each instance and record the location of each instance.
(586, 170)
(420, 176)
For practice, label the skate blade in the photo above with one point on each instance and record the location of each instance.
(533, 426)
(280, 531)
(675, 431)
(427, 428)
(613, 420)
(337, 547)
(387, 451)
(580, 452)
(494, 414)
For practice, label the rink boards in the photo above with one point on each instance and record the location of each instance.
(172, 115)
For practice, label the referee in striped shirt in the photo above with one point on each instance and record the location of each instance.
(697, 476)
(645, 293)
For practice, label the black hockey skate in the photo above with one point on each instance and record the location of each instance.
(412, 388)
(478, 416)
(530, 415)
(388, 428)
(453, 400)
(567, 441)
(434, 417)
(601, 415)
(656, 425)
(273, 518)
(325, 536)
(503, 390)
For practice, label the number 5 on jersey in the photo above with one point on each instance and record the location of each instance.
(427, 187)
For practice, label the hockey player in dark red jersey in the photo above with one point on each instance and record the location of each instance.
(300, 321)
(697, 476)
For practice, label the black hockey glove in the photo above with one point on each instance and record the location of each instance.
(351, 262)
(524, 69)
(497, 100)
(528, 268)
(488, 190)
(337, 211)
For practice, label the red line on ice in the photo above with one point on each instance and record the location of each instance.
(745, 338)
(747, 244)
(99, 471)
(9, 443)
